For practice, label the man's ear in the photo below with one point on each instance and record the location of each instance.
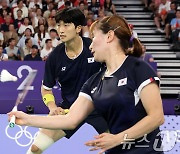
(110, 36)
(78, 29)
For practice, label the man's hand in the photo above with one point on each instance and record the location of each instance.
(57, 111)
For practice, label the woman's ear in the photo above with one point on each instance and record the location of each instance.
(110, 36)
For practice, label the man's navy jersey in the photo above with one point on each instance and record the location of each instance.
(70, 73)
(116, 98)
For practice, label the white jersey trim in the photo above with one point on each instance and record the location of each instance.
(85, 95)
(47, 88)
(146, 82)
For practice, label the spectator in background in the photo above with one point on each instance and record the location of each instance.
(11, 34)
(81, 6)
(3, 56)
(51, 23)
(170, 15)
(94, 7)
(12, 51)
(133, 31)
(46, 50)
(50, 7)
(33, 19)
(101, 14)
(109, 7)
(20, 6)
(1, 38)
(147, 57)
(19, 21)
(34, 3)
(34, 55)
(41, 21)
(175, 28)
(160, 17)
(41, 34)
(3, 17)
(26, 24)
(27, 48)
(53, 13)
(39, 13)
(8, 21)
(60, 4)
(153, 6)
(4, 6)
(53, 36)
(27, 34)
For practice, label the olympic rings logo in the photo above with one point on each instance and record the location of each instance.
(19, 134)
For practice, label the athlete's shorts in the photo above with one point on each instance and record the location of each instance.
(94, 119)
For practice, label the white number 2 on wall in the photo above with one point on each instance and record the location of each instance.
(19, 74)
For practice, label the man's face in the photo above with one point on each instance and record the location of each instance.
(13, 43)
(67, 31)
(29, 44)
(27, 32)
(163, 1)
(49, 44)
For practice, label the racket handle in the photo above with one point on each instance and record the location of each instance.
(13, 118)
(12, 121)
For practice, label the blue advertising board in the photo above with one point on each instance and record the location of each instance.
(9, 90)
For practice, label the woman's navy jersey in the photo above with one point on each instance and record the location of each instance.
(71, 74)
(116, 98)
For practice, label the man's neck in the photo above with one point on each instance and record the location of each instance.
(11, 46)
(74, 45)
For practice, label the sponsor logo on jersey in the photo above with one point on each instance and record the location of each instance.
(93, 90)
(63, 68)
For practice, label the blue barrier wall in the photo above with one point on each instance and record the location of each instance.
(9, 90)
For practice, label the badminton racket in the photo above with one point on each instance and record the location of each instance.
(22, 94)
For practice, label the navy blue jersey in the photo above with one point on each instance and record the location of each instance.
(70, 73)
(116, 98)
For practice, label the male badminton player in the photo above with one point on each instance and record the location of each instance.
(71, 64)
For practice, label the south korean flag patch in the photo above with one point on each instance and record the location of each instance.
(122, 82)
(90, 60)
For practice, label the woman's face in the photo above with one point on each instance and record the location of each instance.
(41, 27)
(98, 45)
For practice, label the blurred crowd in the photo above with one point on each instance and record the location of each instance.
(166, 15)
(28, 29)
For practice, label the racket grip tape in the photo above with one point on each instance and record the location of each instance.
(13, 118)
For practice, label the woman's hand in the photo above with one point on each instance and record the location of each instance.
(103, 142)
(21, 117)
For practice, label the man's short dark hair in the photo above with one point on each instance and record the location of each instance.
(71, 15)
(10, 40)
(53, 30)
(47, 40)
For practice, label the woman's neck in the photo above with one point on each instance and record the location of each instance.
(114, 62)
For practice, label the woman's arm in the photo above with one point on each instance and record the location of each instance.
(151, 100)
(81, 108)
(150, 96)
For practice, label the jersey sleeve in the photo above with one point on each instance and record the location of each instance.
(144, 75)
(86, 88)
(49, 75)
